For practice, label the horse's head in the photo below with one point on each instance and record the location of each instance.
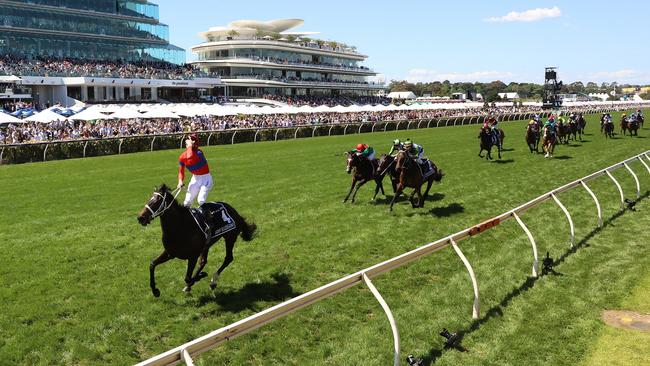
(352, 160)
(402, 159)
(384, 163)
(160, 201)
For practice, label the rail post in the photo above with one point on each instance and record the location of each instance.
(360, 125)
(119, 147)
(181, 142)
(389, 315)
(232, 139)
(2, 152)
(209, 137)
(329, 132)
(154, 139)
(636, 179)
(276, 134)
(385, 126)
(476, 307)
(345, 130)
(532, 242)
(255, 137)
(429, 123)
(600, 213)
(186, 357)
(408, 126)
(397, 127)
(313, 131)
(85, 145)
(45, 151)
(568, 216)
(620, 190)
(640, 159)
(373, 127)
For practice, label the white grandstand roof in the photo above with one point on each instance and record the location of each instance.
(251, 27)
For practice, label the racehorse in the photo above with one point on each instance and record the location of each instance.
(632, 125)
(561, 132)
(387, 166)
(624, 125)
(572, 130)
(641, 120)
(548, 142)
(410, 175)
(532, 137)
(487, 142)
(364, 171)
(608, 128)
(182, 237)
(581, 124)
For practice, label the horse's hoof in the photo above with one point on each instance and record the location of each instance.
(201, 275)
(156, 292)
(213, 285)
(187, 289)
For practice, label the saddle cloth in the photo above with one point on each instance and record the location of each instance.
(426, 168)
(219, 221)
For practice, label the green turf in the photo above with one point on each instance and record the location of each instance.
(75, 262)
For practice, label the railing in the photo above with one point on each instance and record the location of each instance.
(186, 351)
(67, 149)
(286, 63)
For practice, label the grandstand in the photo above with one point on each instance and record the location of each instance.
(99, 51)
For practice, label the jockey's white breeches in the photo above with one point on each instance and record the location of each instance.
(199, 187)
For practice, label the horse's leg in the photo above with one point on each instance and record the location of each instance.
(426, 192)
(378, 185)
(361, 182)
(189, 280)
(420, 197)
(162, 258)
(230, 244)
(398, 192)
(354, 181)
(203, 260)
(499, 150)
(480, 151)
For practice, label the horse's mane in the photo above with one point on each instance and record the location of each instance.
(165, 189)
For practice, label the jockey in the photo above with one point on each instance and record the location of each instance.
(397, 146)
(194, 160)
(366, 151)
(532, 124)
(550, 124)
(414, 150)
(536, 118)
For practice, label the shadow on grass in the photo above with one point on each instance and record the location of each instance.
(451, 209)
(507, 161)
(497, 310)
(574, 145)
(436, 197)
(246, 297)
(510, 149)
(563, 157)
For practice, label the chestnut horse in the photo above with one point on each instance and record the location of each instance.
(182, 238)
(364, 171)
(410, 175)
(549, 141)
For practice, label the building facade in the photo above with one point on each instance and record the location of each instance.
(255, 58)
(87, 29)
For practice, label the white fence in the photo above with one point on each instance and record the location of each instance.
(227, 333)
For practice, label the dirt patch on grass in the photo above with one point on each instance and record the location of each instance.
(627, 320)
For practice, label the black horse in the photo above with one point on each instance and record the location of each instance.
(183, 238)
(487, 141)
(532, 137)
(364, 172)
(411, 175)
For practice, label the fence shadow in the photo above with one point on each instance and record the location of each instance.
(497, 310)
(245, 298)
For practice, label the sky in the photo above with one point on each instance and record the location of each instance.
(470, 40)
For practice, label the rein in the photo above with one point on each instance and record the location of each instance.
(388, 167)
(164, 206)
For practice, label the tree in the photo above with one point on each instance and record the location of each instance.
(645, 96)
(233, 33)
(291, 38)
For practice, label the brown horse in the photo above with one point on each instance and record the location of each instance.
(548, 142)
(624, 125)
(633, 127)
(562, 132)
(532, 137)
(183, 238)
(410, 175)
(387, 166)
(364, 172)
(487, 141)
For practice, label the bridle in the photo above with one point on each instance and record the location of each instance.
(164, 206)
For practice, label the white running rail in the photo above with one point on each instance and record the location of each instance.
(185, 352)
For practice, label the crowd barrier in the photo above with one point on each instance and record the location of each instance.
(185, 352)
(71, 149)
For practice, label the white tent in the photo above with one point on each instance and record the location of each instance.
(402, 95)
(159, 113)
(8, 118)
(45, 116)
(90, 114)
(126, 113)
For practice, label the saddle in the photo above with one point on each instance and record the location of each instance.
(426, 168)
(213, 219)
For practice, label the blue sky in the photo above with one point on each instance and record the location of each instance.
(467, 40)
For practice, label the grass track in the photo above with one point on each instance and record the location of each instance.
(75, 262)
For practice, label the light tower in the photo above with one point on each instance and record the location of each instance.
(551, 88)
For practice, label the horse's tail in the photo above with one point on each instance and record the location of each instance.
(247, 229)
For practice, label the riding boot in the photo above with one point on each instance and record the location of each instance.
(209, 223)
